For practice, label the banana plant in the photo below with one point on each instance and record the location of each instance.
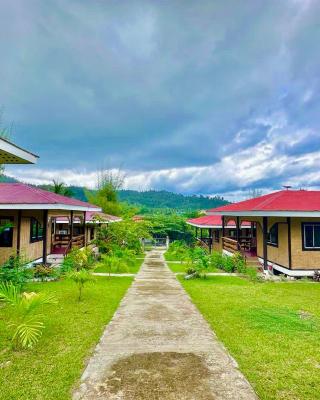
(26, 319)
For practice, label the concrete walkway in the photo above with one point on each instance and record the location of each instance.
(158, 346)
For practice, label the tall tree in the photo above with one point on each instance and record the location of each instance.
(60, 188)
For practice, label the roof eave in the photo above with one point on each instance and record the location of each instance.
(12, 154)
(275, 213)
(44, 206)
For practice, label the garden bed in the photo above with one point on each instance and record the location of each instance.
(54, 365)
(271, 329)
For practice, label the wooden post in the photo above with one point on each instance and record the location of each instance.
(71, 227)
(223, 226)
(289, 243)
(85, 228)
(238, 232)
(223, 231)
(44, 238)
(196, 232)
(19, 232)
(210, 239)
(265, 245)
(201, 233)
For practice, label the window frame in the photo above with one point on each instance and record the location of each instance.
(11, 219)
(303, 236)
(273, 244)
(37, 238)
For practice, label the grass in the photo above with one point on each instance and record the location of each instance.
(130, 269)
(271, 329)
(54, 365)
(181, 267)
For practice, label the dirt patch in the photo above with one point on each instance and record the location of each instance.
(155, 376)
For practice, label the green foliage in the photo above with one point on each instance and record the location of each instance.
(234, 263)
(44, 272)
(80, 278)
(178, 251)
(15, 271)
(73, 329)
(26, 321)
(171, 225)
(126, 234)
(162, 201)
(78, 259)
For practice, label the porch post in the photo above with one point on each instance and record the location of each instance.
(238, 231)
(196, 232)
(201, 233)
(19, 232)
(265, 238)
(85, 228)
(223, 226)
(289, 243)
(210, 239)
(71, 226)
(44, 238)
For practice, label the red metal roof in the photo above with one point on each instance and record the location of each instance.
(208, 221)
(21, 194)
(284, 200)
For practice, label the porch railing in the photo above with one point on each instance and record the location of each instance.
(66, 243)
(230, 245)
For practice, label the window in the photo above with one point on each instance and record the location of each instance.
(6, 232)
(273, 235)
(36, 230)
(311, 236)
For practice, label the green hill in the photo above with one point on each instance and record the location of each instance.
(152, 200)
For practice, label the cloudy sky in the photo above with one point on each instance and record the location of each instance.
(212, 97)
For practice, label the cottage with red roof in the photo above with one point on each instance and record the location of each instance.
(210, 227)
(31, 213)
(287, 230)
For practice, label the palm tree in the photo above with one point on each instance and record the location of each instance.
(25, 316)
(61, 188)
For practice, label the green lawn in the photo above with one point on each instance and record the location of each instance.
(181, 267)
(54, 365)
(130, 270)
(271, 329)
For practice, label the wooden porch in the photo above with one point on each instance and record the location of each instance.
(62, 244)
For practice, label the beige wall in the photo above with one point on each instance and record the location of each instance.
(31, 251)
(302, 259)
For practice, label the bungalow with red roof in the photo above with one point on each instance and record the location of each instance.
(212, 232)
(288, 229)
(30, 212)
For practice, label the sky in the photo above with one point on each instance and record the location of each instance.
(210, 97)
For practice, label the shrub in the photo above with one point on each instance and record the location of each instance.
(80, 278)
(217, 259)
(78, 259)
(43, 272)
(116, 263)
(15, 271)
(178, 250)
(239, 263)
(26, 321)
